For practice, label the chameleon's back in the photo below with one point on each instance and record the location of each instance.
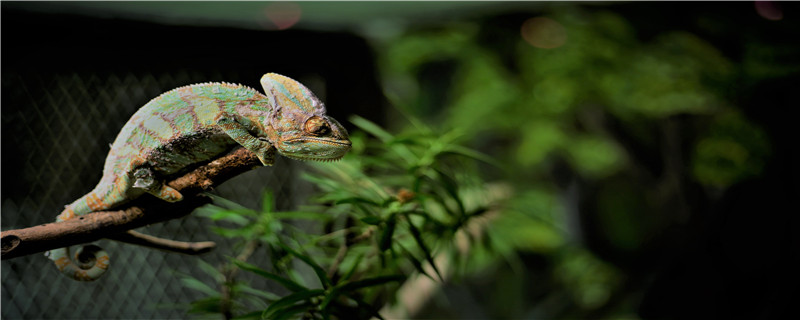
(177, 129)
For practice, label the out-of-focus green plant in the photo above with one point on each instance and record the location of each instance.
(391, 206)
(602, 135)
(554, 101)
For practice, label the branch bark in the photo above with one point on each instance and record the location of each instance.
(143, 211)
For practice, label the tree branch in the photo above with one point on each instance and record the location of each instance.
(137, 238)
(143, 211)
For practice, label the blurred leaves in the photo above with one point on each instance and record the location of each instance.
(601, 137)
(603, 70)
(733, 150)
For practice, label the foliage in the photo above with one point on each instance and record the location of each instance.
(559, 101)
(395, 202)
(605, 140)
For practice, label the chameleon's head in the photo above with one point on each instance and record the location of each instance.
(300, 128)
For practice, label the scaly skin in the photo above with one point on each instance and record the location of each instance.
(194, 124)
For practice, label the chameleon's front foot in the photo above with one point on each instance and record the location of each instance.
(265, 153)
(145, 180)
(258, 145)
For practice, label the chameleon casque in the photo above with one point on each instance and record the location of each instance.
(194, 124)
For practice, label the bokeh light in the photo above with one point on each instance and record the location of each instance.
(769, 10)
(545, 33)
(283, 15)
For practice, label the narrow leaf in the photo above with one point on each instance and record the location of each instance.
(371, 282)
(451, 186)
(209, 269)
(301, 215)
(373, 220)
(371, 128)
(198, 285)
(287, 313)
(357, 200)
(287, 283)
(428, 256)
(289, 300)
(467, 152)
(266, 202)
(416, 263)
(321, 274)
(248, 316)
(225, 202)
(386, 237)
(366, 306)
(266, 295)
(353, 268)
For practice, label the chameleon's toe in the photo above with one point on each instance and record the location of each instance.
(169, 194)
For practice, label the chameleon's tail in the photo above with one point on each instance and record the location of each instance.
(91, 261)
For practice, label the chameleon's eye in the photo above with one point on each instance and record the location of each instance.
(317, 126)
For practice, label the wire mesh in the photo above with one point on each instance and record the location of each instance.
(56, 133)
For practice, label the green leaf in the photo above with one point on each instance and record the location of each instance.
(353, 268)
(301, 215)
(428, 256)
(370, 282)
(198, 285)
(373, 220)
(321, 274)
(356, 285)
(467, 152)
(231, 233)
(209, 269)
(266, 202)
(249, 316)
(386, 237)
(222, 202)
(287, 283)
(290, 300)
(266, 295)
(416, 263)
(286, 313)
(366, 306)
(206, 305)
(451, 186)
(371, 128)
(357, 200)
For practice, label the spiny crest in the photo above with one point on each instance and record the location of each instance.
(227, 85)
(286, 92)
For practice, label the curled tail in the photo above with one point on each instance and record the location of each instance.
(90, 262)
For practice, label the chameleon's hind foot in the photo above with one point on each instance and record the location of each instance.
(146, 180)
(168, 193)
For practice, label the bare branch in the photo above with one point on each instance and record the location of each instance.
(137, 238)
(140, 212)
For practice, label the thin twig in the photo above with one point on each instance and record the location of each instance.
(137, 238)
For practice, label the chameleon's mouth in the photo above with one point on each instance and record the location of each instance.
(314, 158)
(323, 149)
(335, 142)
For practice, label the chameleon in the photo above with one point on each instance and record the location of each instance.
(194, 124)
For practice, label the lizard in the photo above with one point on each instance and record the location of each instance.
(194, 124)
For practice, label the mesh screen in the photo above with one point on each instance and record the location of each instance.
(56, 132)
